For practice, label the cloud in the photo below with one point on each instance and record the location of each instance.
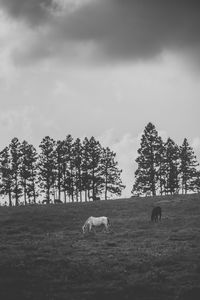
(26, 123)
(61, 89)
(114, 30)
(8, 41)
(196, 143)
(16, 121)
(34, 12)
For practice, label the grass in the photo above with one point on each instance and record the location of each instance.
(43, 254)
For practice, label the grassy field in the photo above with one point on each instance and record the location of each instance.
(43, 254)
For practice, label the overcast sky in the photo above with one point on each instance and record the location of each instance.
(102, 68)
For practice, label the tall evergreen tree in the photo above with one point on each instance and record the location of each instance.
(15, 155)
(197, 182)
(172, 167)
(71, 173)
(110, 173)
(47, 167)
(24, 170)
(67, 179)
(59, 160)
(28, 171)
(94, 167)
(161, 171)
(32, 184)
(6, 184)
(85, 168)
(188, 167)
(78, 149)
(146, 173)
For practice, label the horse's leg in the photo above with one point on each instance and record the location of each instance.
(107, 228)
(86, 228)
(83, 229)
(89, 227)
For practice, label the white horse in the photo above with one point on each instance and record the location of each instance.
(93, 222)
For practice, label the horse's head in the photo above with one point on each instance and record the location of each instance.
(83, 229)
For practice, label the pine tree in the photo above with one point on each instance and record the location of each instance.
(47, 167)
(94, 167)
(161, 171)
(110, 173)
(30, 165)
(28, 171)
(6, 184)
(172, 167)
(71, 172)
(77, 150)
(146, 173)
(197, 182)
(188, 166)
(24, 170)
(15, 155)
(59, 161)
(85, 168)
(67, 179)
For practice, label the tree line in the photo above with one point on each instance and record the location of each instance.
(164, 167)
(72, 170)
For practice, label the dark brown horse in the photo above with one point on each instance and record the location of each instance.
(57, 201)
(95, 198)
(156, 214)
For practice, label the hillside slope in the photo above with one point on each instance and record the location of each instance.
(43, 254)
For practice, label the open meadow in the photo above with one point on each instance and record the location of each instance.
(43, 254)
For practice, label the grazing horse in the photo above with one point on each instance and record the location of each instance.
(96, 198)
(93, 222)
(57, 201)
(148, 193)
(45, 201)
(156, 212)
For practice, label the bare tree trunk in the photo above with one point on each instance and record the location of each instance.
(65, 197)
(25, 202)
(10, 198)
(34, 194)
(16, 193)
(80, 194)
(106, 186)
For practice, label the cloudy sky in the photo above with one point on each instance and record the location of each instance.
(100, 67)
